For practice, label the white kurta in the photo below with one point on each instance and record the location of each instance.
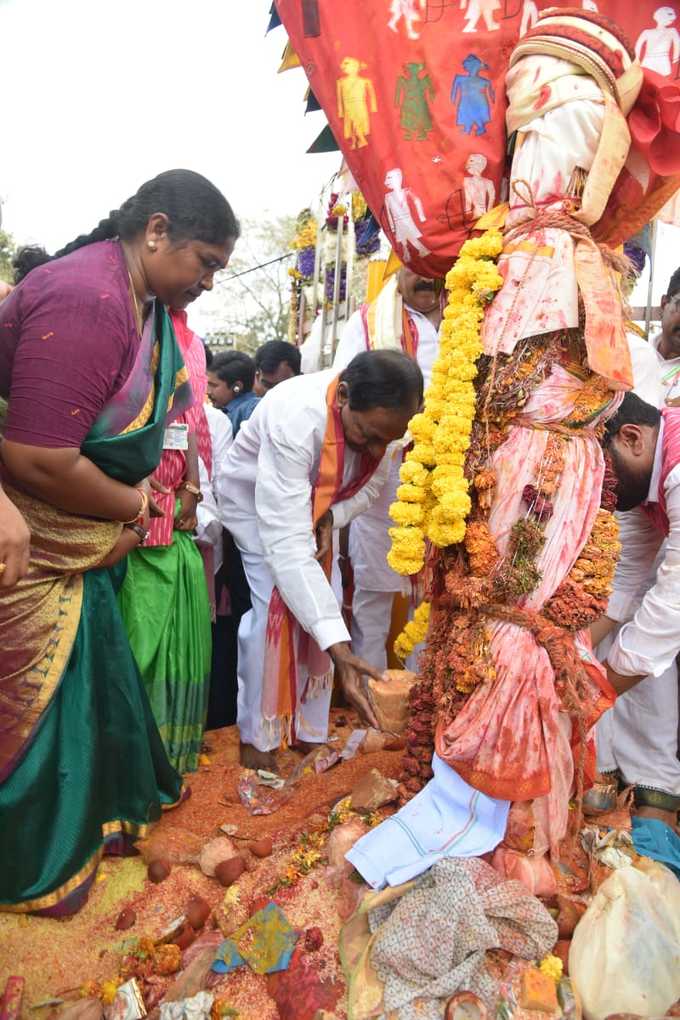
(375, 583)
(266, 503)
(209, 527)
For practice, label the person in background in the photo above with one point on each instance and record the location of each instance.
(275, 362)
(212, 540)
(230, 386)
(164, 598)
(311, 457)
(667, 342)
(405, 316)
(644, 446)
(94, 375)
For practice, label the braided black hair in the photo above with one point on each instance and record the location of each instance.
(196, 211)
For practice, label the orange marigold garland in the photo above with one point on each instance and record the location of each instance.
(583, 595)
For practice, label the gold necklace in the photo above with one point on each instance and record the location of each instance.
(139, 321)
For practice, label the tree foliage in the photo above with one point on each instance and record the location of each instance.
(7, 251)
(247, 310)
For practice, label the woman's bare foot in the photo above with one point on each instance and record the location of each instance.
(251, 758)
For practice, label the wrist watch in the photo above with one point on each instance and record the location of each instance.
(141, 532)
(194, 490)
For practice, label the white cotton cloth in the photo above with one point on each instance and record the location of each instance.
(209, 525)
(448, 818)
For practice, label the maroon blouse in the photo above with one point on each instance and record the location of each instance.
(68, 340)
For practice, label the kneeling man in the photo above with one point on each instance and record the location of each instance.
(311, 458)
(644, 445)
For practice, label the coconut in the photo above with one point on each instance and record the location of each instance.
(228, 871)
(159, 870)
(262, 847)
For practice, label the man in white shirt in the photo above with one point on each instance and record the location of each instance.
(273, 475)
(638, 737)
(412, 302)
(667, 343)
(645, 451)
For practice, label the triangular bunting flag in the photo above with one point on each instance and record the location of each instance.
(274, 19)
(289, 59)
(325, 142)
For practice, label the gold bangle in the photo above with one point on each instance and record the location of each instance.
(143, 507)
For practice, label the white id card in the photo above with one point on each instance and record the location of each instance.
(176, 437)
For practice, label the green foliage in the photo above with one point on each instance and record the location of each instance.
(7, 252)
(250, 309)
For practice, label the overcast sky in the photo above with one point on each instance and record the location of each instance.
(99, 96)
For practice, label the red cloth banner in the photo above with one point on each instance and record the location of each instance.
(414, 93)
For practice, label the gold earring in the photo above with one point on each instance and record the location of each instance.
(151, 246)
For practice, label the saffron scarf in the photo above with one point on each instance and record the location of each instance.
(288, 648)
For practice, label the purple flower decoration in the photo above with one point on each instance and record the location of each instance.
(367, 235)
(330, 277)
(305, 262)
(637, 256)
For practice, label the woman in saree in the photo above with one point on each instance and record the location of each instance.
(164, 598)
(93, 373)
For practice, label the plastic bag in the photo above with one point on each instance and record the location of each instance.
(625, 953)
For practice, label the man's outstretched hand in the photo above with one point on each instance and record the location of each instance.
(349, 670)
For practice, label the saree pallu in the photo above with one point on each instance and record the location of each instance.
(165, 606)
(82, 765)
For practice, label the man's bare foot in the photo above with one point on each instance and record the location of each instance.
(669, 817)
(251, 758)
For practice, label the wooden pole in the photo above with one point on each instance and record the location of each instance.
(336, 289)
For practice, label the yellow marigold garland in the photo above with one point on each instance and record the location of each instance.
(414, 633)
(433, 501)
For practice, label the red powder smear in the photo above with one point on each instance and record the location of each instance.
(301, 991)
(54, 955)
(543, 97)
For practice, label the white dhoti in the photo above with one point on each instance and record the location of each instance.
(375, 583)
(311, 722)
(639, 735)
(371, 620)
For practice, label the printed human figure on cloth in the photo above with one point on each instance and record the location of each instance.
(408, 11)
(480, 193)
(414, 87)
(356, 102)
(476, 9)
(472, 95)
(399, 201)
(659, 48)
(529, 17)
